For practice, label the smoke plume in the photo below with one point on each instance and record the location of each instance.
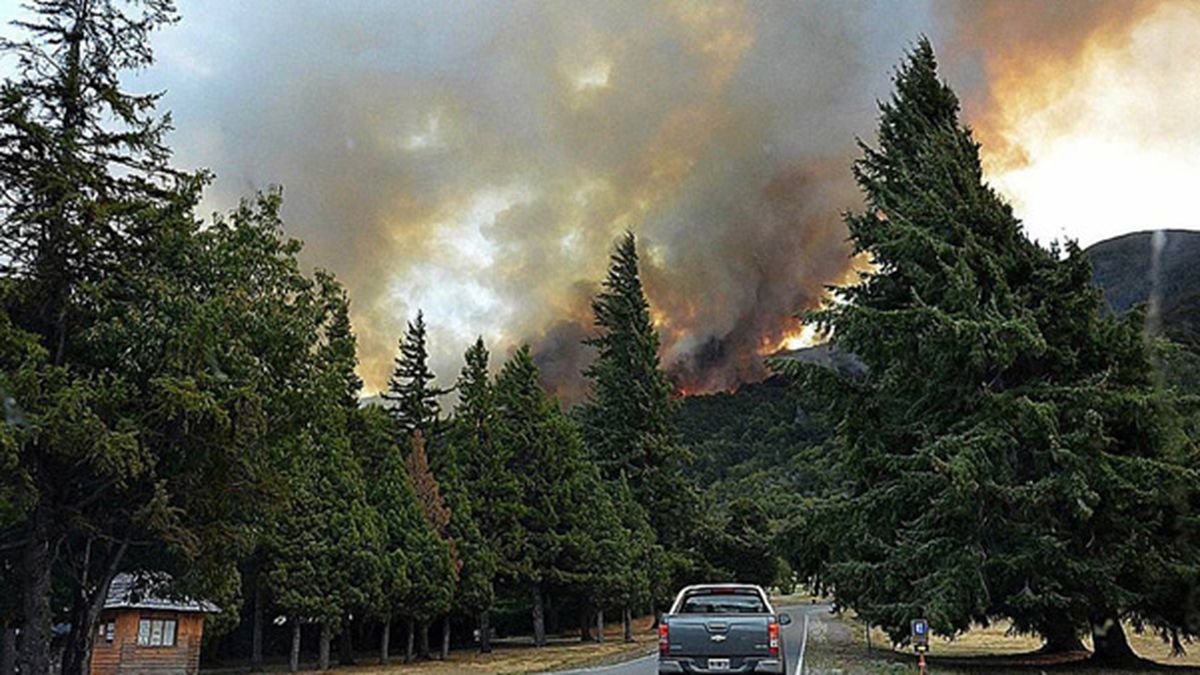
(477, 160)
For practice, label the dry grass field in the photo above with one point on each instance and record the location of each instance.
(504, 659)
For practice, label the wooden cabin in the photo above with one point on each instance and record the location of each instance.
(144, 631)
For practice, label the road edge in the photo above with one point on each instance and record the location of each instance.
(803, 647)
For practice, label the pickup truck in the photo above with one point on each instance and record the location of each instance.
(721, 628)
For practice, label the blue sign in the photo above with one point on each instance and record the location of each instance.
(920, 635)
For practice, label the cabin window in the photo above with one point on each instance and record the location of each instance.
(156, 633)
(106, 630)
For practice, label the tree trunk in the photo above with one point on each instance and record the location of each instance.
(346, 644)
(408, 649)
(1108, 641)
(485, 632)
(539, 617)
(8, 651)
(1061, 637)
(294, 657)
(256, 632)
(88, 602)
(76, 656)
(35, 601)
(445, 637)
(423, 644)
(600, 625)
(627, 623)
(384, 638)
(585, 623)
(553, 614)
(323, 649)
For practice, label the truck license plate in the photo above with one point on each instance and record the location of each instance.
(718, 664)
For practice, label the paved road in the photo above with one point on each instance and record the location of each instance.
(795, 639)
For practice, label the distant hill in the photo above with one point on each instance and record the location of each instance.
(826, 355)
(1128, 271)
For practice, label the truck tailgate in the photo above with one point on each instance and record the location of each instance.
(718, 635)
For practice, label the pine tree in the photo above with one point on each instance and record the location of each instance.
(989, 462)
(474, 594)
(429, 493)
(326, 547)
(641, 568)
(553, 542)
(741, 548)
(390, 494)
(85, 185)
(628, 421)
(410, 390)
(484, 485)
(433, 506)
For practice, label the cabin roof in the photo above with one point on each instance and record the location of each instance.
(148, 591)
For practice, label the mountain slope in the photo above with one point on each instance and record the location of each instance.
(1132, 268)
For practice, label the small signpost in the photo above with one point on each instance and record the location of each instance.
(920, 641)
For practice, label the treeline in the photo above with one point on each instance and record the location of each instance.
(180, 397)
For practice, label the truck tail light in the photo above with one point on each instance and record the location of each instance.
(773, 639)
(664, 632)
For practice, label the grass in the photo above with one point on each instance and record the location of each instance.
(988, 649)
(995, 640)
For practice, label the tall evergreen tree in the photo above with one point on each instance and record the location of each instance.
(85, 183)
(410, 390)
(326, 545)
(628, 422)
(553, 547)
(641, 569)
(484, 484)
(995, 458)
(418, 575)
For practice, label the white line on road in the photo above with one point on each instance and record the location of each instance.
(803, 646)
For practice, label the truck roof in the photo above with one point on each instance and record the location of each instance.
(751, 587)
(718, 586)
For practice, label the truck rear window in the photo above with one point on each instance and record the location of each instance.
(735, 602)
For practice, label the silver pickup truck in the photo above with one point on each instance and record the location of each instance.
(722, 628)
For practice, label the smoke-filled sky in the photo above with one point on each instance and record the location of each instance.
(478, 159)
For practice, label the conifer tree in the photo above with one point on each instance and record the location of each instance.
(444, 573)
(483, 484)
(85, 185)
(326, 557)
(402, 525)
(410, 390)
(740, 548)
(641, 569)
(553, 546)
(628, 421)
(995, 457)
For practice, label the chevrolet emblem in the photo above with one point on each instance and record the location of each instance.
(718, 638)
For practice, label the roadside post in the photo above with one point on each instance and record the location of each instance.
(920, 641)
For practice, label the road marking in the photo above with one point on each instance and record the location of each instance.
(803, 646)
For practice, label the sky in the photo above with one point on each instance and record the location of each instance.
(477, 160)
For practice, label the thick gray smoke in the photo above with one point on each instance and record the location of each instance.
(477, 160)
